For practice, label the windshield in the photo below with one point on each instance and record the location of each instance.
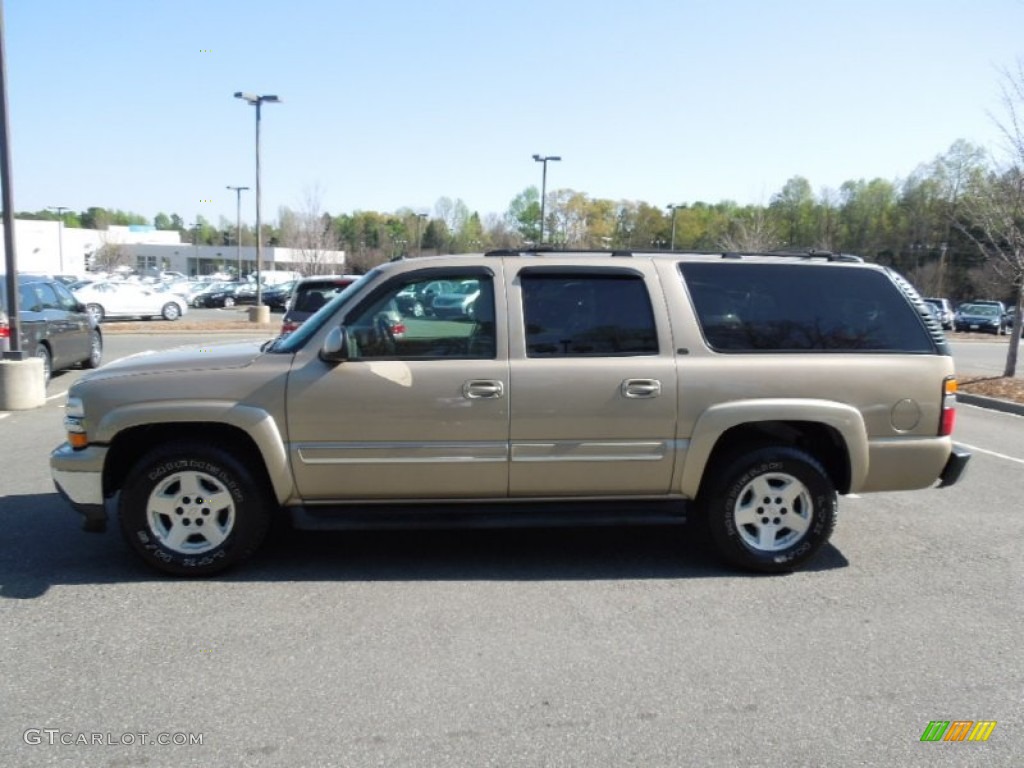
(983, 310)
(296, 340)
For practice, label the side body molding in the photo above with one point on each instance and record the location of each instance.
(717, 419)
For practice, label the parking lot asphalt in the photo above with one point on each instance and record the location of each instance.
(572, 647)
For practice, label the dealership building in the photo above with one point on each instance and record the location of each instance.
(48, 247)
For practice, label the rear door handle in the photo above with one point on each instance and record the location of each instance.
(638, 388)
(483, 389)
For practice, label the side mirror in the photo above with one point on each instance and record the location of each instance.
(336, 347)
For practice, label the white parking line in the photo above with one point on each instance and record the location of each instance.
(4, 415)
(58, 395)
(1014, 459)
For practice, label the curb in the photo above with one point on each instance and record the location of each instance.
(1005, 406)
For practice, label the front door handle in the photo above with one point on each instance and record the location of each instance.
(637, 388)
(483, 389)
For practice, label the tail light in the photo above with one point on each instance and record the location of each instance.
(949, 388)
(398, 330)
(289, 326)
(5, 331)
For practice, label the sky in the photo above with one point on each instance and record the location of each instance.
(389, 105)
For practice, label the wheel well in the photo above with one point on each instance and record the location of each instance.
(821, 441)
(132, 443)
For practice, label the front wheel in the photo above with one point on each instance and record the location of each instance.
(96, 311)
(170, 311)
(770, 510)
(193, 510)
(229, 302)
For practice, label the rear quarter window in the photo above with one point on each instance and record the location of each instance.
(744, 307)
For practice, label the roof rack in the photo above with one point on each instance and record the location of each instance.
(552, 250)
(548, 249)
(815, 254)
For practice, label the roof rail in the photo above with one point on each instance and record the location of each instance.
(815, 254)
(548, 249)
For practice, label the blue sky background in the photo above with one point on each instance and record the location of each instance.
(395, 104)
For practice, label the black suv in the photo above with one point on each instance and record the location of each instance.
(55, 326)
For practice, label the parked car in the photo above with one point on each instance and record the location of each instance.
(217, 295)
(277, 296)
(745, 393)
(245, 293)
(1004, 316)
(310, 294)
(111, 299)
(944, 312)
(55, 326)
(418, 300)
(459, 303)
(984, 318)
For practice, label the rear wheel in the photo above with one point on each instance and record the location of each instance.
(229, 302)
(193, 510)
(95, 358)
(43, 353)
(770, 510)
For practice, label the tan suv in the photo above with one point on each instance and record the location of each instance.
(751, 389)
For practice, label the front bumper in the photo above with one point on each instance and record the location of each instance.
(955, 466)
(78, 476)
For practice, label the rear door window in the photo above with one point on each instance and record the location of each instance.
(587, 314)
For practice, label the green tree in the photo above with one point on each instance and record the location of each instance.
(523, 215)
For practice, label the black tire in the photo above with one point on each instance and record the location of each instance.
(170, 311)
(96, 311)
(43, 353)
(95, 359)
(767, 488)
(168, 522)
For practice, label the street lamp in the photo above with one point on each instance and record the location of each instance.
(195, 246)
(60, 231)
(238, 234)
(258, 101)
(673, 208)
(419, 240)
(544, 189)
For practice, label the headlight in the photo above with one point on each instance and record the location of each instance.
(74, 416)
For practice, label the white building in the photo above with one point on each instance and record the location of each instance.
(51, 248)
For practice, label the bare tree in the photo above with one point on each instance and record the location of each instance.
(110, 255)
(311, 232)
(991, 213)
(751, 231)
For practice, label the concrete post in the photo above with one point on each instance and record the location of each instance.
(21, 384)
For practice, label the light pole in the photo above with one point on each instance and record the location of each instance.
(195, 247)
(544, 189)
(672, 207)
(60, 231)
(419, 240)
(943, 247)
(238, 227)
(258, 101)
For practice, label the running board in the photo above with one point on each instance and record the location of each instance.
(489, 515)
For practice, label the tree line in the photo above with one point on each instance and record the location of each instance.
(921, 225)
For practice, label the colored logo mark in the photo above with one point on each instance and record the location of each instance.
(958, 730)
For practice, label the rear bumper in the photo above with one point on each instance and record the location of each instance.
(955, 466)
